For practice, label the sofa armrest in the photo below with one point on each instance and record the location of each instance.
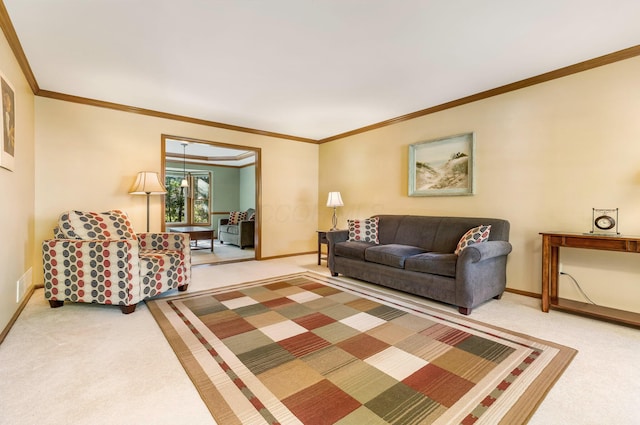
(172, 241)
(70, 266)
(484, 251)
(481, 272)
(246, 233)
(169, 241)
(335, 236)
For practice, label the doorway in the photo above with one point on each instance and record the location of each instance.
(206, 181)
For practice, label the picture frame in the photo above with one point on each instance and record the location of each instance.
(443, 167)
(7, 120)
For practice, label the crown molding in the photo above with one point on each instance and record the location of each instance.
(166, 115)
(179, 157)
(542, 78)
(16, 47)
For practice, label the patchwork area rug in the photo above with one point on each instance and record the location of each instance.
(310, 349)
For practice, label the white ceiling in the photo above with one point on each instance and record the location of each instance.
(204, 153)
(308, 68)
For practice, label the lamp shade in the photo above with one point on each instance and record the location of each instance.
(334, 200)
(147, 183)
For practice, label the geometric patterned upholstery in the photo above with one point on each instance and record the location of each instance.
(98, 258)
(110, 225)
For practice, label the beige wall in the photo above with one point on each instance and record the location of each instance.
(87, 159)
(17, 188)
(545, 156)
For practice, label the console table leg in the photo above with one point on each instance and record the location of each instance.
(545, 273)
(553, 275)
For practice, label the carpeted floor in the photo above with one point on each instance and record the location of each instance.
(91, 364)
(222, 253)
(312, 349)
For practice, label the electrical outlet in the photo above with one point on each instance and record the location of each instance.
(559, 268)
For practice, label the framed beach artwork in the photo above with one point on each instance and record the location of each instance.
(8, 119)
(442, 167)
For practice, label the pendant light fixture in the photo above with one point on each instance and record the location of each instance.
(184, 182)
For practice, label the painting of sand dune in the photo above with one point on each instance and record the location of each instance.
(442, 167)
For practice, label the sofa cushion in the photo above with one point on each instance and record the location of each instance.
(231, 229)
(64, 230)
(364, 230)
(110, 225)
(350, 249)
(475, 235)
(236, 217)
(443, 264)
(393, 255)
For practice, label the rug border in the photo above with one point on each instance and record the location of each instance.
(520, 413)
(208, 393)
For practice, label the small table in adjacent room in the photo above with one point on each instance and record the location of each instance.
(197, 233)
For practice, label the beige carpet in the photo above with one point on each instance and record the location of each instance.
(310, 349)
(222, 253)
(91, 364)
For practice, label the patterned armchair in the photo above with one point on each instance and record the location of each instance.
(98, 258)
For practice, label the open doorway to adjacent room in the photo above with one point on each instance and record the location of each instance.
(206, 181)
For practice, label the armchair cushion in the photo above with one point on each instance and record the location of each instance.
(108, 225)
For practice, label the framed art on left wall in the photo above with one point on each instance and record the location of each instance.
(8, 119)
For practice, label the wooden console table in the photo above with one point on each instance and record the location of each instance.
(551, 243)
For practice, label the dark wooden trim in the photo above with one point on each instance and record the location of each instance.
(14, 43)
(525, 293)
(12, 38)
(258, 195)
(542, 78)
(23, 304)
(274, 257)
(165, 115)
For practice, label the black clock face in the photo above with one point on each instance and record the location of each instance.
(604, 222)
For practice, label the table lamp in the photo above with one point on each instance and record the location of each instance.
(334, 200)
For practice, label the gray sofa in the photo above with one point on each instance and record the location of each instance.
(416, 255)
(241, 234)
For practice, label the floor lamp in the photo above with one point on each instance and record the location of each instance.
(147, 183)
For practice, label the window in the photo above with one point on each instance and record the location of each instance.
(190, 205)
(200, 213)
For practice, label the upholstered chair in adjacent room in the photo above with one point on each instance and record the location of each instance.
(238, 229)
(98, 258)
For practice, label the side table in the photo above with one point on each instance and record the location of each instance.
(322, 240)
